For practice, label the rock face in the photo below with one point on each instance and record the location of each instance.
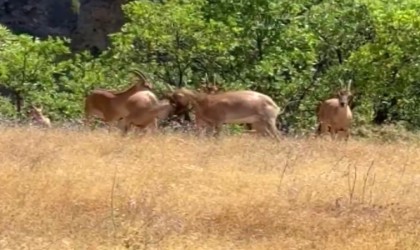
(87, 26)
(96, 19)
(38, 17)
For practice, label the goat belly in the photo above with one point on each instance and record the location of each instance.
(237, 118)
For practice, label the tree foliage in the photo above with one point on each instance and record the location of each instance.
(295, 51)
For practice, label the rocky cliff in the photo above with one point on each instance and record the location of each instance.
(86, 22)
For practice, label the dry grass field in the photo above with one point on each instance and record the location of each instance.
(62, 189)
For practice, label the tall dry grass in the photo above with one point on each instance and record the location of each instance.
(92, 190)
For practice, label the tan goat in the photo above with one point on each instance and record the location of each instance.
(147, 116)
(181, 107)
(335, 115)
(210, 90)
(111, 106)
(145, 110)
(242, 106)
(38, 117)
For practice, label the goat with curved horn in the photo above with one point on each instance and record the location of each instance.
(110, 106)
(145, 110)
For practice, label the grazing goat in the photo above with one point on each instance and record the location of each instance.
(243, 106)
(38, 117)
(111, 106)
(334, 114)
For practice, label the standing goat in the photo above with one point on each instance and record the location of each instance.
(111, 106)
(38, 117)
(334, 114)
(144, 117)
(243, 106)
(210, 90)
(182, 107)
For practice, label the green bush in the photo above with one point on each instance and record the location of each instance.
(295, 51)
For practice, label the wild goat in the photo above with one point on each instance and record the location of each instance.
(243, 106)
(147, 117)
(210, 90)
(181, 108)
(38, 117)
(111, 106)
(334, 114)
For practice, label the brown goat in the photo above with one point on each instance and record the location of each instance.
(243, 106)
(335, 115)
(111, 106)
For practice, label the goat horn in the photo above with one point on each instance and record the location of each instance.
(207, 79)
(135, 72)
(214, 79)
(139, 73)
(170, 87)
(349, 84)
(341, 82)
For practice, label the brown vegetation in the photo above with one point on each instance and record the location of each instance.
(90, 190)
